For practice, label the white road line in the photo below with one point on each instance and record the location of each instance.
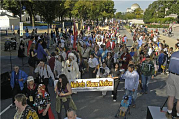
(5, 109)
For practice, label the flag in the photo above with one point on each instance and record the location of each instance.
(75, 35)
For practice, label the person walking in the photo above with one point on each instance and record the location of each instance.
(24, 111)
(63, 91)
(147, 71)
(30, 90)
(44, 73)
(115, 74)
(42, 103)
(92, 66)
(172, 85)
(18, 78)
(131, 83)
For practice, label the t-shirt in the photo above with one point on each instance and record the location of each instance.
(93, 62)
(28, 113)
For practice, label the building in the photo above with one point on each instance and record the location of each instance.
(133, 7)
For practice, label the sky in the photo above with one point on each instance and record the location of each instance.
(122, 5)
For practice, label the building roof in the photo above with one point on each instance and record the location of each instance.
(135, 6)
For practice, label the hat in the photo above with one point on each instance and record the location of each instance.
(42, 88)
(177, 44)
(72, 55)
(30, 78)
(126, 97)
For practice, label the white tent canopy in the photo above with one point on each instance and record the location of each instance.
(8, 22)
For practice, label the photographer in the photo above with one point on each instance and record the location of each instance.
(44, 73)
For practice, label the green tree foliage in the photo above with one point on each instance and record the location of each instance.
(48, 10)
(12, 5)
(138, 13)
(31, 8)
(158, 9)
(69, 4)
(107, 9)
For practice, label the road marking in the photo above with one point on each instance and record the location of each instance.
(6, 109)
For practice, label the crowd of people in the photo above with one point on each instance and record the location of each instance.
(100, 53)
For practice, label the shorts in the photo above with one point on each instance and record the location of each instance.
(124, 109)
(173, 85)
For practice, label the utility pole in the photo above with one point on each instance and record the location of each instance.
(20, 11)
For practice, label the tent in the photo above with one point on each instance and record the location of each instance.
(8, 22)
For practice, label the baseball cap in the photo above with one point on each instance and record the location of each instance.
(126, 97)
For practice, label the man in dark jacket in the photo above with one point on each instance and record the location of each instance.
(147, 71)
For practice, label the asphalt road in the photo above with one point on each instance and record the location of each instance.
(91, 105)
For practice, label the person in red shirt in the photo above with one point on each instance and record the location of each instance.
(125, 58)
(29, 44)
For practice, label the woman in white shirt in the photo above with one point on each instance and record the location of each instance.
(92, 66)
(150, 49)
(59, 65)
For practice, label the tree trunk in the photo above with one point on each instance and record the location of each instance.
(48, 28)
(33, 21)
(30, 18)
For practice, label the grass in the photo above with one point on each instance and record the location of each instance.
(39, 24)
(127, 27)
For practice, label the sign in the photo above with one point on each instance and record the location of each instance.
(21, 28)
(95, 84)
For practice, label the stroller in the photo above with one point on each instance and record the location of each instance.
(127, 111)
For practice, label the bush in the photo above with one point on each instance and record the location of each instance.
(156, 26)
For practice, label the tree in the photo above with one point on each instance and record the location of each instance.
(69, 4)
(47, 9)
(60, 10)
(118, 15)
(13, 6)
(107, 9)
(31, 8)
(158, 9)
(138, 13)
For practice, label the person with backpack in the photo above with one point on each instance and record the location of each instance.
(147, 71)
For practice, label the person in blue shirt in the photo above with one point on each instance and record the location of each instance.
(124, 106)
(172, 85)
(18, 78)
(132, 52)
(104, 53)
(40, 51)
(131, 83)
(160, 60)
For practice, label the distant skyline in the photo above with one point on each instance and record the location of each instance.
(122, 5)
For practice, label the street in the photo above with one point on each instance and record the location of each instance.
(91, 105)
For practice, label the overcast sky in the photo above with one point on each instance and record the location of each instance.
(122, 5)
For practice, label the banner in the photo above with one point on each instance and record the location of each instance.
(75, 35)
(95, 84)
(21, 28)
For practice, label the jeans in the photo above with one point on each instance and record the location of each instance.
(48, 43)
(145, 82)
(66, 106)
(91, 74)
(51, 82)
(133, 94)
(160, 69)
